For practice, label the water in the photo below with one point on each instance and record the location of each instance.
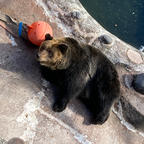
(123, 18)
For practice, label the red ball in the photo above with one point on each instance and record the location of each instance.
(37, 32)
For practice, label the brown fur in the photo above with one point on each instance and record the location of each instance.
(51, 56)
(79, 71)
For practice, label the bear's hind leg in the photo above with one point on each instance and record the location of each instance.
(100, 112)
(95, 105)
(101, 104)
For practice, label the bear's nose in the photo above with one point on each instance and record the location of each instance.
(37, 56)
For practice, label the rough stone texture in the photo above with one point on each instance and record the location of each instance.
(105, 39)
(134, 56)
(25, 105)
(2, 141)
(15, 141)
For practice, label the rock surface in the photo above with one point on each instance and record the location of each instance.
(138, 83)
(25, 99)
(15, 141)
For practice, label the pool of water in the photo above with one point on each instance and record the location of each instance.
(123, 18)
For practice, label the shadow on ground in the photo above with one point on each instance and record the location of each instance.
(21, 60)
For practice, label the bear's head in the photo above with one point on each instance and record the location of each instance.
(54, 53)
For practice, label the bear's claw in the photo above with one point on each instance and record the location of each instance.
(58, 107)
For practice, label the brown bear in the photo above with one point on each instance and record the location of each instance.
(80, 71)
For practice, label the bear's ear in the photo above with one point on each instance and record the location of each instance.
(48, 37)
(63, 48)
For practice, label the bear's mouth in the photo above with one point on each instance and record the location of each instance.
(42, 63)
(49, 65)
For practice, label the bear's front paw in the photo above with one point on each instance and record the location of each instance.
(99, 119)
(59, 107)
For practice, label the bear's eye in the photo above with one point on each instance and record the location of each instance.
(63, 48)
(42, 48)
(50, 53)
